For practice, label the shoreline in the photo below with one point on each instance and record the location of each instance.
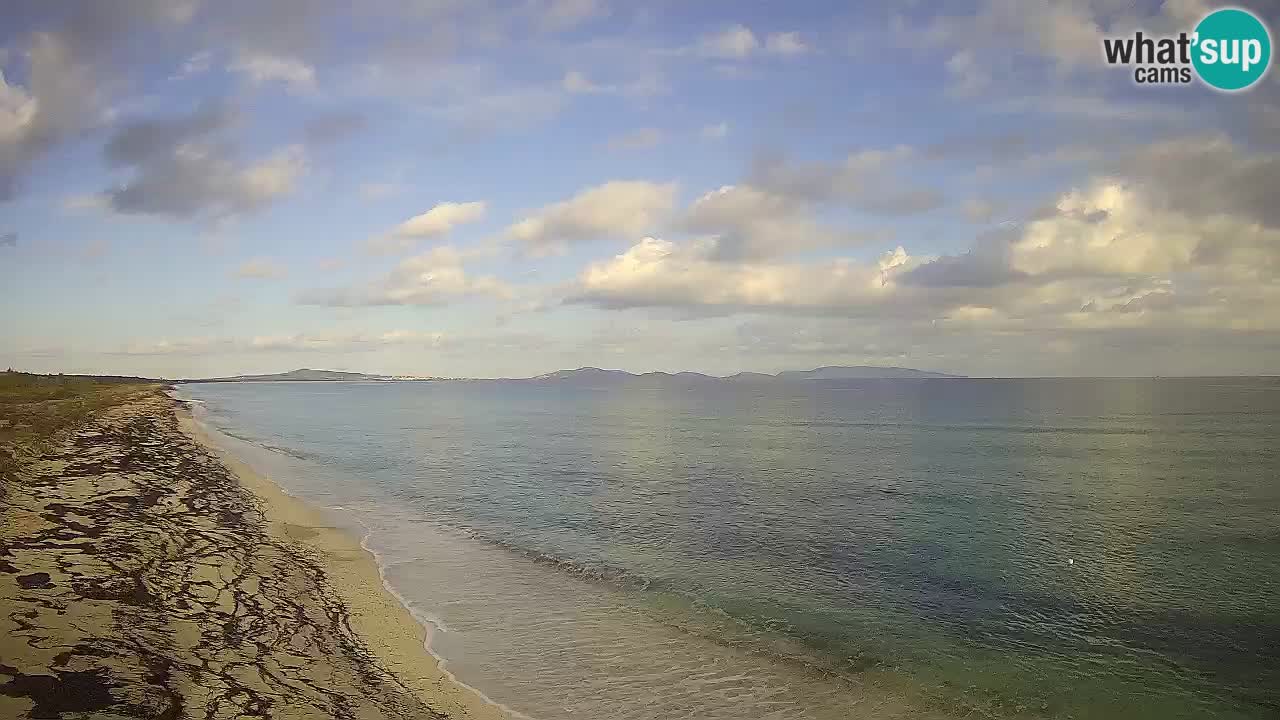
(379, 614)
(146, 574)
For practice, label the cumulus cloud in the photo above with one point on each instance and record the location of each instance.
(558, 15)
(197, 64)
(967, 76)
(619, 208)
(731, 43)
(785, 43)
(68, 76)
(745, 223)
(869, 180)
(979, 210)
(297, 342)
(641, 139)
(265, 68)
(1122, 260)
(334, 126)
(440, 219)
(718, 131)
(57, 102)
(184, 167)
(660, 273)
(260, 269)
(436, 222)
(575, 82)
(434, 277)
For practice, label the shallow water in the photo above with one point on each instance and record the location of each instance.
(1057, 548)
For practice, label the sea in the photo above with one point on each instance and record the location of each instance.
(932, 548)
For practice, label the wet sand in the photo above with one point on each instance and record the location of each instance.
(143, 576)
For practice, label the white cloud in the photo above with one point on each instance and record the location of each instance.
(868, 180)
(436, 222)
(260, 269)
(979, 210)
(183, 167)
(968, 77)
(641, 139)
(718, 131)
(558, 15)
(732, 43)
(434, 277)
(576, 82)
(785, 43)
(264, 68)
(197, 64)
(273, 176)
(440, 219)
(744, 222)
(379, 190)
(659, 273)
(61, 98)
(619, 208)
(298, 342)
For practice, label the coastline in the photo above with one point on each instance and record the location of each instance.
(145, 574)
(376, 613)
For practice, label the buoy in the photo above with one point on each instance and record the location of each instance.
(1071, 561)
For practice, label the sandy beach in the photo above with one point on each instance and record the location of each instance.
(144, 576)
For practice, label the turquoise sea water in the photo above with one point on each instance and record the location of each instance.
(908, 548)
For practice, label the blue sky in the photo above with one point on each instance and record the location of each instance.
(450, 188)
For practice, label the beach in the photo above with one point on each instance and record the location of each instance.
(144, 576)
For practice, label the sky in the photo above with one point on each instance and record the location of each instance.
(499, 189)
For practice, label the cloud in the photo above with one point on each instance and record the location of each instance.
(659, 273)
(732, 43)
(868, 180)
(619, 208)
(68, 78)
(1126, 261)
(1066, 33)
(746, 223)
(1205, 175)
(197, 64)
(260, 269)
(981, 211)
(718, 131)
(576, 82)
(265, 68)
(440, 220)
(967, 76)
(298, 342)
(57, 103)
(184, 167)
(334, 127)
(641, 139)
(560, 15)
(434, 277)
(785, 43)
(378, 190)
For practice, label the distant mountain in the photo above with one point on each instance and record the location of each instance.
(596, 376)
(858, 372)
(589, 374)
(303, 375)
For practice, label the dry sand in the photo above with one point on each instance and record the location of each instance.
(141, 575)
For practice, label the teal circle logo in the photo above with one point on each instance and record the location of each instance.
(1231, 49)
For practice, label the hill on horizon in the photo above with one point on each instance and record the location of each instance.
(599, 375)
